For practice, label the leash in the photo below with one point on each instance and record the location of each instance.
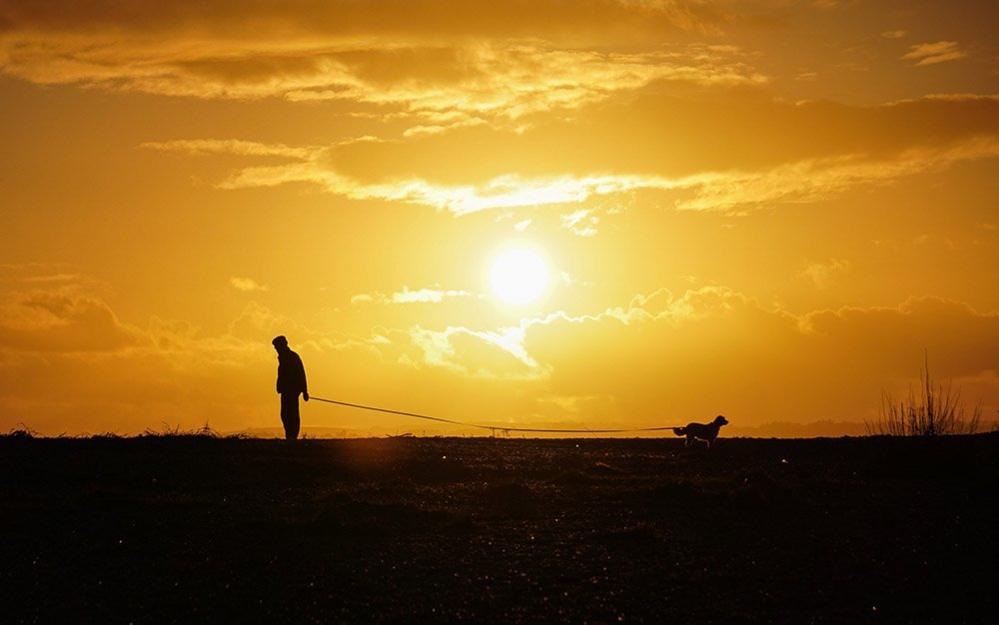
(493, 428)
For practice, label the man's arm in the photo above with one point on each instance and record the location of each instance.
(305, 384)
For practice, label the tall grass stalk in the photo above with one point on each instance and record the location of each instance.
(933, 410)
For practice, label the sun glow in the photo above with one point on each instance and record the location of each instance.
(519, 276)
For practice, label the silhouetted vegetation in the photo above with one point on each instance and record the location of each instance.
(167, 431)
(934, 409)
(21, 431)
(204, 431)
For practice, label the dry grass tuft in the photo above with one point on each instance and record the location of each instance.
(936, 409)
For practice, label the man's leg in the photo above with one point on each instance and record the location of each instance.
(289, 415)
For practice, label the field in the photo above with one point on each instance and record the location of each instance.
(194, 529)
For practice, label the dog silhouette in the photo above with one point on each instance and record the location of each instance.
(706, 432)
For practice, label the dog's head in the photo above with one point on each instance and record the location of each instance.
(720, 420)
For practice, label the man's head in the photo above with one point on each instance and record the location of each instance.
(280, 343)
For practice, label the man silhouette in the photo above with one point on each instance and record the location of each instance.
(290, 382)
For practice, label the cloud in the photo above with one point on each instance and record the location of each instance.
(517, 79)
(933, 53)
(581, 222)
(506, 191)
(425, 295)
(894, 34)
(426, 57)
(812, 150)
(362, 298)
(714, 349)
(821, 273)
(62, 320)
(41, 274)
(719, 344)
(407, 296)
(813, 180)
(229, 146)
(247, 284)
(504, 353)
(481, 354)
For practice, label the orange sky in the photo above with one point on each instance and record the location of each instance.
(761, 208)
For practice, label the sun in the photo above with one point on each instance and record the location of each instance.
(519, 276)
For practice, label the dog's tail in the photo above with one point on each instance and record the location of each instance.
(680, 431)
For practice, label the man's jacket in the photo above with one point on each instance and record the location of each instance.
(291, 373)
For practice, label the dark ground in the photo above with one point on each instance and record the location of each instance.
(186, 529)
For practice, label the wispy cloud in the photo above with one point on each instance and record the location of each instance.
(410, 296)
(229, 146)
(246, 284)
(581, 222)
(426, 58)
(814, 150)
(507, 191)
(822, 273)
(807, 180)
(814, 180)
(513, 80)
(491, 354)
(933, 53)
